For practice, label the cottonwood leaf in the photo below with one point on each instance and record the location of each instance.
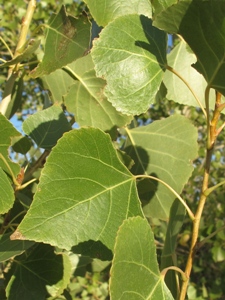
(36, 272)
(58, 83)
(132, 63)
(87, 101)
(67, 39)
(7, 131)
(21, 144)
(181, 60)
(9, 249)
(105, 11)
(47, 126)
(201, 25)
(85, 193)
(160, 5)
(135, 272)
(164, 149)
(7, 196)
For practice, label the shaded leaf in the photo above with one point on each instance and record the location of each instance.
(132, 64)
(21, 144)
(9, 249)
(201, 23)
(6, 193)
(15, 98)
(85, 193)
(67, 39)
(105, 11)
(168, 257)
(164, 149)
(135, 271)
(47, 126)
(7, 131)
(30, 278)
(87, 101)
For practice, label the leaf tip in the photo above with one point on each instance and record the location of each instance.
(17, 236)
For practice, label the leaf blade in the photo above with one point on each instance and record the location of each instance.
(135, 272)
(70, 194)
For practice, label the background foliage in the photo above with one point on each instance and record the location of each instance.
(70, 82)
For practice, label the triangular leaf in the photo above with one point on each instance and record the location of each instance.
(117, 8)
(132, 64)
(164, 149)
(85, 193)
(47, 126)
(201, 23)
(67, 39)
(135, 272)
(87, 101)
(30, 278)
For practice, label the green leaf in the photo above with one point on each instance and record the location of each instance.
(201, 23)
(6, 193)
(164, 149)
(85, 193)
(169, 257)
(67, 39)
(7, 131)
(135, 272)
(160, 5)
(105, 11)
(36, 271)
(58, 83)
(21, 144)
(16, 96)
(181, 59)
(132, 63)
(87, 101)
(9, 249)
(47, 126)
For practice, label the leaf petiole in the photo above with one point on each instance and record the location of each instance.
(190, 213)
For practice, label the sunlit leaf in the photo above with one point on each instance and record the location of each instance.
(87, 101)
(135, 272)
(132, 63)
(105, 11)
(85, 193)
(164, 149)
(58, 83)
(201, 23)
